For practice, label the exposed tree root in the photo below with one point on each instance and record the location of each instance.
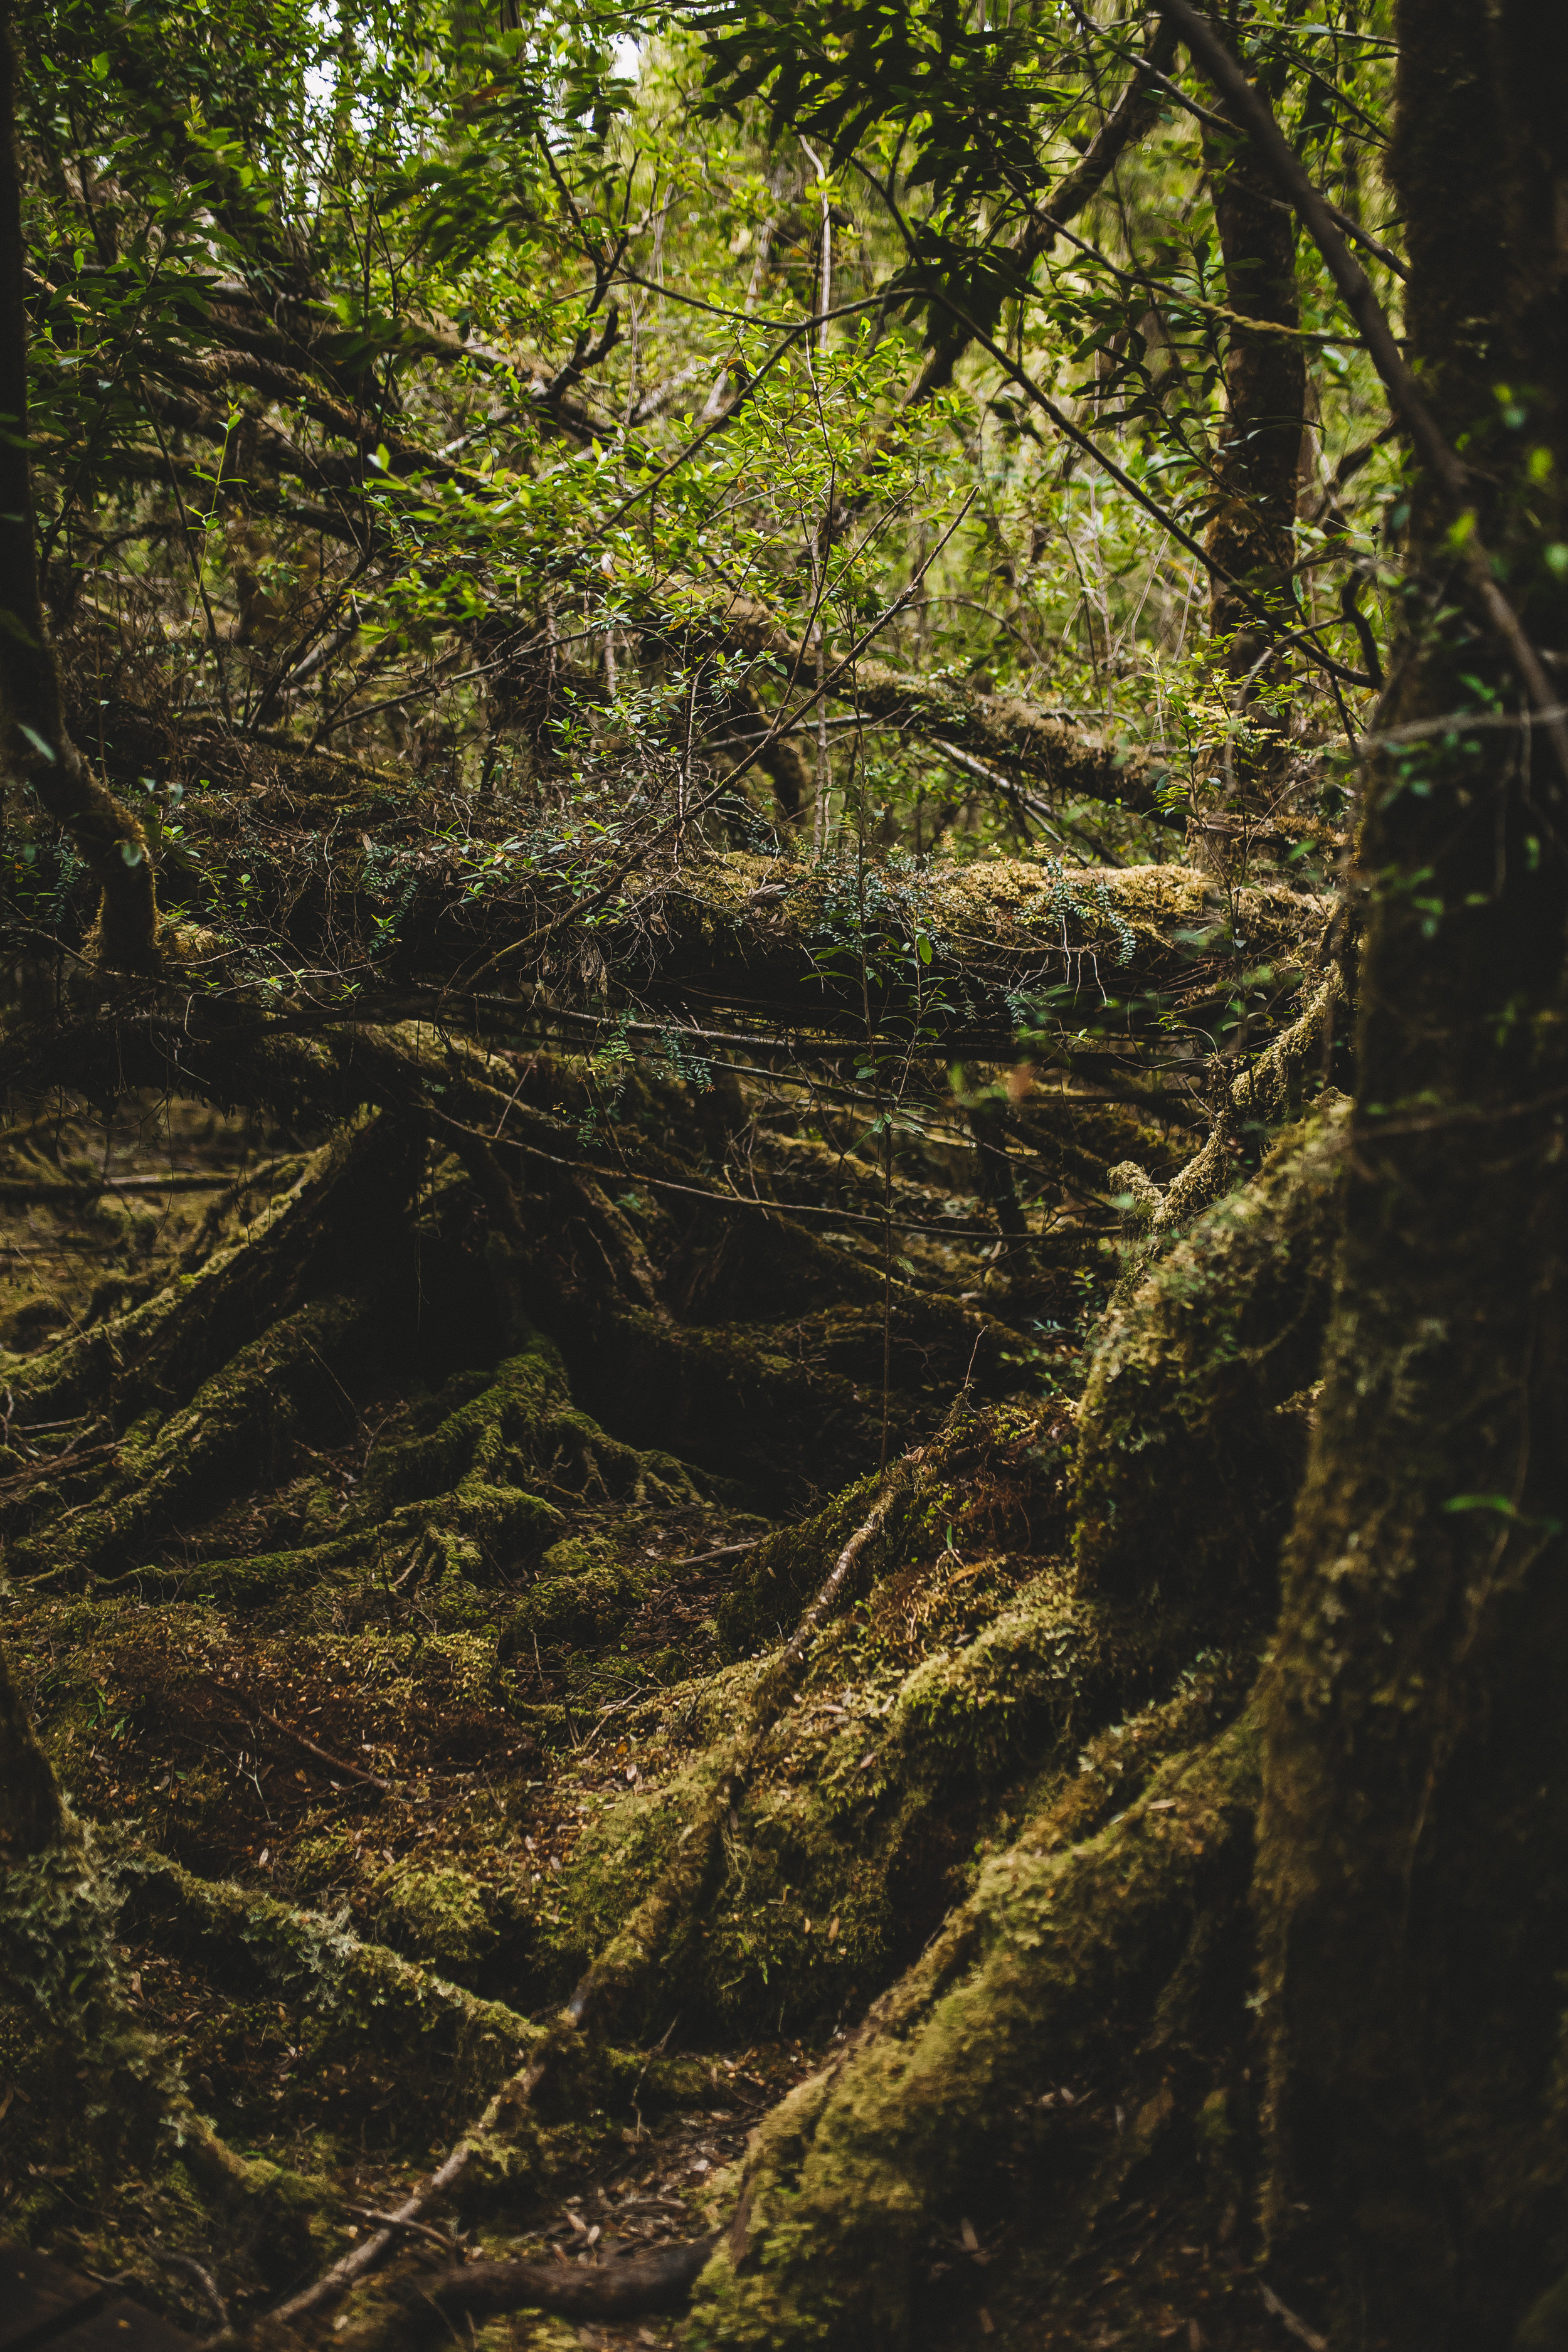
(237, 1427)
(1074, 1948)
(1190, 1450)
(335, 1216)
(357, 1997)
(624, 2290)
(778, 1812)
(352, 1989)
(619, 1969)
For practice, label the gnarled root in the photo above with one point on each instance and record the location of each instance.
(1064, 1954)
(237, 1429)
(358, 1995)
(335, 1219)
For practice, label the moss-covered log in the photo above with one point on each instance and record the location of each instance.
(338, 855)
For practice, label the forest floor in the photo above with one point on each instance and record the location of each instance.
(366, 1832)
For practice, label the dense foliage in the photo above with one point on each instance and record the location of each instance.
(416, 388)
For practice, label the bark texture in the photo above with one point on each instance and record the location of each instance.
(1412, 1892)
(1251, 533)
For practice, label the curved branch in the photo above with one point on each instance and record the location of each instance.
(1007, 730)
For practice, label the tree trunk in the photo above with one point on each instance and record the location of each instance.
(1266, 389)
(1250, 537)
(1412, 1889)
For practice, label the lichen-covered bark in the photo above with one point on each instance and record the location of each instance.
(1026, 743)
(995, 926)
(1412, 1892)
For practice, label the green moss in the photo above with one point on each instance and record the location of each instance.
(1020, 1681)
(843, 1849)
(237, 1427)
(786, 1567)
(1034, 1983)
(357, 1997)
(489, 1429)
(438, 1915)
(583, 1591)
(1186, 1468)
(792, 1871)
(322, 1861)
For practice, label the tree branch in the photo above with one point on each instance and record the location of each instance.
(1134, 113)
(621, 2290)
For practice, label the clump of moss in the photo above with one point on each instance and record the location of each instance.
(583, 1590)
(1056, 1961)
(1021, 1674)
(322, 1861)
(439, 1915)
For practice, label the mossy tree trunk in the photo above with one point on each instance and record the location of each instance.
(1413, 1893)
